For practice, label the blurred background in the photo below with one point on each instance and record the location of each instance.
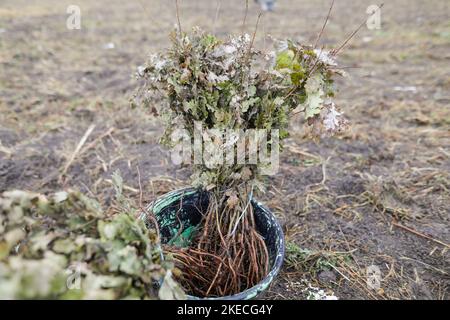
(378, 195)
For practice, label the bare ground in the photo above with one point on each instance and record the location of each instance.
(379, 195)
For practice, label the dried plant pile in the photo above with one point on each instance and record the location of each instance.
(64, 246)
(228, 84)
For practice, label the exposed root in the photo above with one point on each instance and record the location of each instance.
(228, 256)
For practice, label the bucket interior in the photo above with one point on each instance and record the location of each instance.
(184, 209)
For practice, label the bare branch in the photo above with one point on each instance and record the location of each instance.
(178, 16)
(336, 51)
(219, 3)
(245, 16)
(254, 34)
(324, 25)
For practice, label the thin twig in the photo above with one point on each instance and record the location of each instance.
(426, 265)
(336, 51)
(324, 25)
(78, 148)
(338, 271)
(140, 187)
(265, 36)
(178, 16)
(324, 171)
(243, 212)
(150, 216)
(180, 230)
(254, 36)
(245, 16)
(417, 233)
(96, 140)
(219, 3)
(125, 187)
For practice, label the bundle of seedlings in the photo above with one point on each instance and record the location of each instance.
(63, 246)
(237, 101)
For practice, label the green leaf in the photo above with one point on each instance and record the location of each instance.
(64, 246)
(314, 95)
(285, 60)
